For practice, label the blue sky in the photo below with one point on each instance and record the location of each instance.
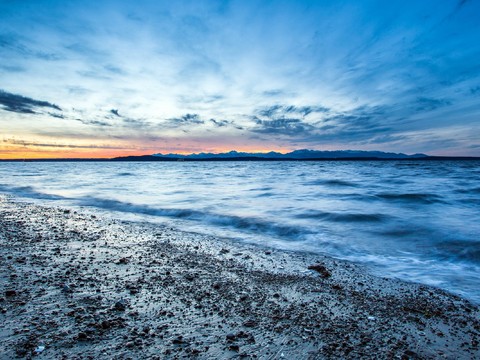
(112, 77)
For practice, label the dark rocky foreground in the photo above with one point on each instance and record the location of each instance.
(77, 286)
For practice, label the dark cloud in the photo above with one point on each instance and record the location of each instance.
(284, 126)
(58, 116)
(23, 104)
(94, 122)
(278, 111)
(220, 123)
(286, 120)
(187, 119)
(53, 145)
(223, 123)
(363, 124)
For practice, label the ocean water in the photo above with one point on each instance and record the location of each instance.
(414, 220)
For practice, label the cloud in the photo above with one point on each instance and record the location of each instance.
(23, 104)
(289, 120)
(220, 123)
(185, 120)
(94, 122)
(55, 145)
(475, 90)
(277, 111)
(225, 123)
(284, 126)
(115, 112)
(430, 104)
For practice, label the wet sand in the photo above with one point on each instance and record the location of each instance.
(75, 285)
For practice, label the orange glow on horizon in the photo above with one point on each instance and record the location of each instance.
(14, 153)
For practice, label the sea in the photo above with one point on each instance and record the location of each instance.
(410, 219)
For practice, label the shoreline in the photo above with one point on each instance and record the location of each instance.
(75, 284)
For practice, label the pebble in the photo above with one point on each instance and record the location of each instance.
(121, 305)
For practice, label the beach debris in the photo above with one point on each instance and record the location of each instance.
(322, 270)
(39, 349)
(10, 292)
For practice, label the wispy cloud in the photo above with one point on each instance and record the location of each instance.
(59, 145)
(23, 104)
(185, 120)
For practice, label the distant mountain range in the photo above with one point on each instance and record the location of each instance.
(303, 154)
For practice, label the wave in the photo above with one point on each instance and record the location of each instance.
(29, 192)
(475, 190)
(332, 182)
(232, 221)
(460, 249)
(411, 197)
(343, 217)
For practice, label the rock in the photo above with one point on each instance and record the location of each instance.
(189, 277)
(82, 336)
(121, 305)
(39, 349)
(105, 325)
(231, 337)
(249, 323)
(123, 260)
(322, 270)
(217, 286)
(178, 340)
(9, 293)
(235, 348)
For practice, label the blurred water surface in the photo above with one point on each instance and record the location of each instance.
(411, 219)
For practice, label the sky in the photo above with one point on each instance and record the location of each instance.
(111, 78)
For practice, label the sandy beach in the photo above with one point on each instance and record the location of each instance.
(76, 285)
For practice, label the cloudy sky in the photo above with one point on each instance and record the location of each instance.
(105, 78)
